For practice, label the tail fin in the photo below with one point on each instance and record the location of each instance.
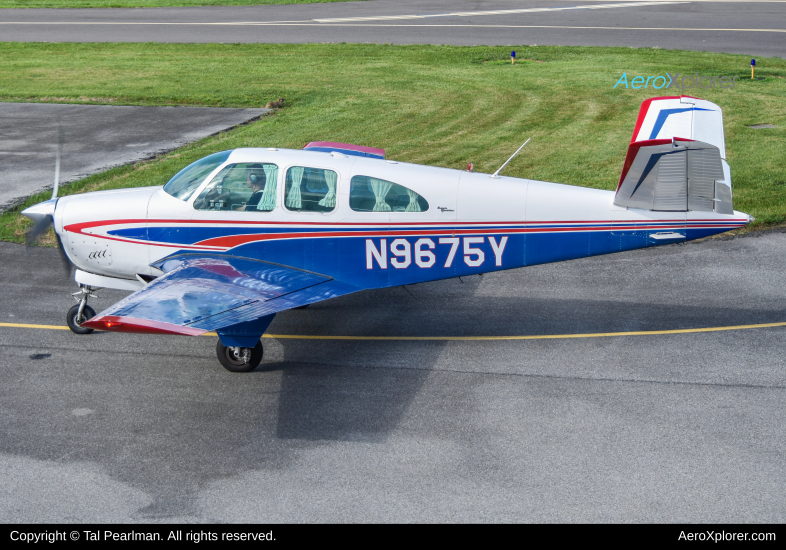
(675, 160)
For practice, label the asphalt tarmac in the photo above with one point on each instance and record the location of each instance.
(751, 28)
(95, 138)
(654, 427)
(677, 427)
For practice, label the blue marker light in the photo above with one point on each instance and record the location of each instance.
(753, 64)
(513, 56)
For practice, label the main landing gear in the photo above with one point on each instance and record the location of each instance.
(232, 358)
(237, 359)
(81, 312)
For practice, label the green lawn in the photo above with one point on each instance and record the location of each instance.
(437, 105)
(149, 3)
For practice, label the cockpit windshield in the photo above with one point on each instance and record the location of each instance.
(185, 182)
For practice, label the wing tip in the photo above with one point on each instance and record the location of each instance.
(113, 323)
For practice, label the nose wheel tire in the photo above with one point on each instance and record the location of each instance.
(236, 359)
(76, 324)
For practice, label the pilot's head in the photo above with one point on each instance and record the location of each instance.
(255, 178)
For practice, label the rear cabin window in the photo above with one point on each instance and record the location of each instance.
(310, 189)
(243, 187)
(368, 194)
(188, 180)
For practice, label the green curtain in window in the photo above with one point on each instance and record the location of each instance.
(414, 205)
(380, 189)
(329, 201)
(294, 199)
(268, 200)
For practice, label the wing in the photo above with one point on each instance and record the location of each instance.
(203, 292)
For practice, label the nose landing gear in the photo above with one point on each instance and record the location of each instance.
(81, 312)
(237, 359)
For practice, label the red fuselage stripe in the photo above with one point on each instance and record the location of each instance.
(384, 230)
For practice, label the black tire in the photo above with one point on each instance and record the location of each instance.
(74, 324)
(232, 363)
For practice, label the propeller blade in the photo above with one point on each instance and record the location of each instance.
(43, 213)
(60, 138)
(40, 227)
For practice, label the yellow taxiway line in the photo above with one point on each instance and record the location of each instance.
(20, 325)
(690, 29)
(309, 24)
(467, 338)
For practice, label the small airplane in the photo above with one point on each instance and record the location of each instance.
(240, 235)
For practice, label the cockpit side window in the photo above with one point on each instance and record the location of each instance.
(188, 180)
(368, 194)
(244, 187)
(310, 189)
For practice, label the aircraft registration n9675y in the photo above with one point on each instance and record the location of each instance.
(240, 235)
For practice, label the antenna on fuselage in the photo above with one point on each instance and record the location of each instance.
(494, 175)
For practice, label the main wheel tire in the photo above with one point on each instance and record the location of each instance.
(76, 324)
(233, 363)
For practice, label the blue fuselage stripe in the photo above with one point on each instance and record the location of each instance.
(187, 234)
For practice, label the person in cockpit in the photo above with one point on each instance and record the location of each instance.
(255, 179)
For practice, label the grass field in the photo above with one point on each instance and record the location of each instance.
(437, 105)
(149, 3)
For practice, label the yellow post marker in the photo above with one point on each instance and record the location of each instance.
(513, 57)
(753, 64)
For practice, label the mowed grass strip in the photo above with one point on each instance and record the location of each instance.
(149, 3)
(437, 105)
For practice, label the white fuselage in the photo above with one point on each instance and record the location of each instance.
(118, 234)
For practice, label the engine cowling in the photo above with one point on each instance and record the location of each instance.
(87, 225)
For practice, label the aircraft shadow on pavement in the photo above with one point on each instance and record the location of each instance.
(359, 390)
